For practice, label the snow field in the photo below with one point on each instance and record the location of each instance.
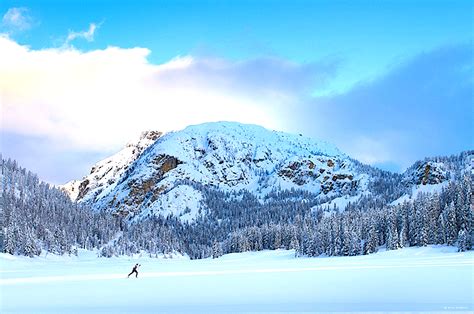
(433, 279)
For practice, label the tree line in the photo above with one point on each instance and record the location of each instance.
(36, 216)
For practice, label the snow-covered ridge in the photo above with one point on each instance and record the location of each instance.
(105, 173)
(436, 170)
(433, 174)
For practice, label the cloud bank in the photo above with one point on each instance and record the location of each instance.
(98, 100)
(91, 103)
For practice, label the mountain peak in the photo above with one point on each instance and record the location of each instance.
(257, 136)
(146, 138)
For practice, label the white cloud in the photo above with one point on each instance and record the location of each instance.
(87, 35)
(98, 100)
(17, 19)
(102, 98)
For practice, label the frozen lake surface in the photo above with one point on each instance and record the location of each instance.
(432, 279)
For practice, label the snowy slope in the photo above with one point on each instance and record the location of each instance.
(225, 155)
(428, 279)
(417, 189)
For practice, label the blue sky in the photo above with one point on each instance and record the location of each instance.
(389, 82)
(366, 36)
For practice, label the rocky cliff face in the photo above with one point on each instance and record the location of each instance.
(426, 172)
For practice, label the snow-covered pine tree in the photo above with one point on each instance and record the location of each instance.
(294, 244)
(450, 229)
(404, 232)
(393, 242)
(216, 249)
(372, 241)
(464, 241)
(31, 247)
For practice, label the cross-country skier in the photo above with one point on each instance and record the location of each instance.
(134, 270)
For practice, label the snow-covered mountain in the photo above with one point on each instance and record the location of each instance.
(159, 173)
(153, 174)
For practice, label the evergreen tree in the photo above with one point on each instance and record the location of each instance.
(464, 242)
(392, 239)
(450, 224)
(216, 250)
(31, 247)
(404, 233)
(371, 244)
(294, 244)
